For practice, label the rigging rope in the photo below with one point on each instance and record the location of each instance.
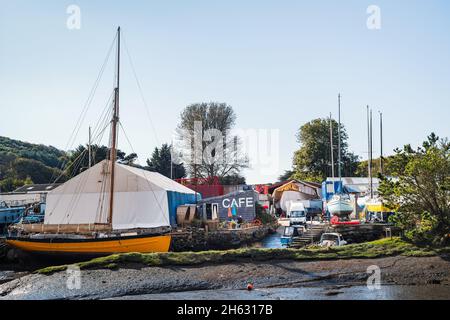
(86, 106)
(141, 91)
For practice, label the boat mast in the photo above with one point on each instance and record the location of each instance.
(331, 144)
(369, 148)
(115, 120)
(381, 142)
(89, 148)
(371, 156)
(339, 140)
(171, 161)
(369, 162)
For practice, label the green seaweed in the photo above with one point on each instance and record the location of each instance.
(375, 249)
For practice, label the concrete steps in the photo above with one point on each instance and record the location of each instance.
(311, 236)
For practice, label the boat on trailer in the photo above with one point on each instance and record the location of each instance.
(339, 205)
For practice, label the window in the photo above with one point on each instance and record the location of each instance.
(297, 214)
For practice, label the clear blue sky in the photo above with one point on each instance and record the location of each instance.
(278, 63)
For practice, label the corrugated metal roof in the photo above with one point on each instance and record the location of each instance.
(37, 188)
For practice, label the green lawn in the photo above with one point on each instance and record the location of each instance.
(374, 249)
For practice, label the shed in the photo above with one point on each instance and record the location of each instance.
(243, 202)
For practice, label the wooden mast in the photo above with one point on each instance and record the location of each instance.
(331, 144)
(339, 139)
(381, 143)
(89, 148)
(115, 120)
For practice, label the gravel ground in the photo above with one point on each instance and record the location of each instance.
(138, 281)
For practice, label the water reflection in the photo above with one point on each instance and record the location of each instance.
(387, 292)
(271, 241)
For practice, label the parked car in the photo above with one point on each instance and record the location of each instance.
(332, 240)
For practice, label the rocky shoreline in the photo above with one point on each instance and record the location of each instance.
(199, 239)
(135, 280)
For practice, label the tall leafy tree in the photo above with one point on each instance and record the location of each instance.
(286, 175)
(216, 119)
(362, 170)
(26, 171)
(313, 160)
(232, 180)
(421, 195)
(48, 155)
(160, 162)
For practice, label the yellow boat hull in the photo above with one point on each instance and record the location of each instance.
(142, 244)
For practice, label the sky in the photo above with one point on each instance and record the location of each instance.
(279, 64)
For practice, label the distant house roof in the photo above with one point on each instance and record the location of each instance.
(37, 188)
(312, 184)
(355, 180)
(356, 184)
(276, 185)
(309, 189)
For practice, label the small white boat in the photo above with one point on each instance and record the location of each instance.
(340, 205)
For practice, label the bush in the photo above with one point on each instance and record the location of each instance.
(263, 215)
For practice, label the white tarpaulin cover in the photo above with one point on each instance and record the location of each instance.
(140, 198)
(289, 196)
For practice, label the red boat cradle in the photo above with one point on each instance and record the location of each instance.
(335, 221)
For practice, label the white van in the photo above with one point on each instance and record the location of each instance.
(296, 213)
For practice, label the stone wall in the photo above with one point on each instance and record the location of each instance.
(198, 239)
(3, 249)
(363, 232)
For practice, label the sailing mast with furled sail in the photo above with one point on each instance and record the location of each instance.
(140, 207)
(339, 205)
(114, 121)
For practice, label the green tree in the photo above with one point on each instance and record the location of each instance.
(48, 155)
(23, 163)
(421, 195)
(10, 184)
(79, 158)
(232, 180)
(286, 175)
(160, 162)
(313, 160)
(23, 169)
(362, 170)
(129, 159)
(214, 118)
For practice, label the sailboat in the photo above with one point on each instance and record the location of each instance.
(108, 208)
(339, 205)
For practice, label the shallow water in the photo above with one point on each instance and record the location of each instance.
(271, 241)
(388, 292)
(5, 275)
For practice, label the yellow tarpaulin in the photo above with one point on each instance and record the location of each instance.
(378, 207)
(290, 186)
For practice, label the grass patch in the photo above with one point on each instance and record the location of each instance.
(374, 249)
